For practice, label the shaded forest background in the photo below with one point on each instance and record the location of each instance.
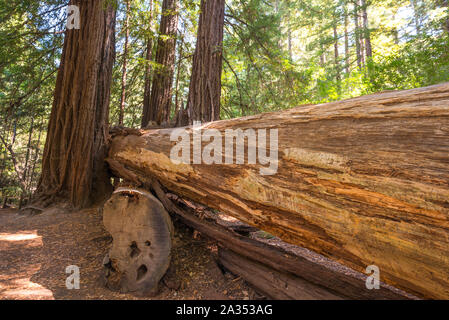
(276, 55)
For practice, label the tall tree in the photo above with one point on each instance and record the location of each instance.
(203, 103)
(358, 50)
(125, 64)
(73, 167)
(161, 91)
(366, 30)
(347, 66)
(336, 55)
(148, 57)
(445, 4)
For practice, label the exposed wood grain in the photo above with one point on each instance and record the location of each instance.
(308, 279)
(363, 181)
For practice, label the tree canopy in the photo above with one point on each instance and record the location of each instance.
(277, 54)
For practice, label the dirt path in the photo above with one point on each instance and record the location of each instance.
(35, 251)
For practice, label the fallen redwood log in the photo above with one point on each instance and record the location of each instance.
(270, 282)
(276, 273)
(363, 181)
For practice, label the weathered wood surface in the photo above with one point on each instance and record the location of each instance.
(299, 278)
(363, 181)
(142, 240)
(270, 282)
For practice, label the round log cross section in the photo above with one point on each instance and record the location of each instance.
(142, 240)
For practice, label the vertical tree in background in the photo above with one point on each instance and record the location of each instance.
(148, 57)
(366, 30)
(345, 12)
(203, 103)
(336, 54)
(357, 34)
(445, 4)
(125, 61)
(73, 165)
(161, 91)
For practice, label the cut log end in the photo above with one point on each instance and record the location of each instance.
(142, 240)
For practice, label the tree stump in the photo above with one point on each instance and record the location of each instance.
(142, 241)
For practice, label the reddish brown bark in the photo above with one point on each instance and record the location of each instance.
(161, 92)
(73, 162)
(147, 90)
(205, 84)
(125, 65)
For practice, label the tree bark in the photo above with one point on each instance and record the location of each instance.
(205, 83)
(446, 21)
(363, 181)
(297, 270)
(146, 114)
(73, 162)
(361, 32)
(366, 31)
(357, 35)
(27, 159)
(161, 92)
(125, 64)
(337, 58)
(347, 66)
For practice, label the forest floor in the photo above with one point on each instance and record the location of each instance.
(35, 251)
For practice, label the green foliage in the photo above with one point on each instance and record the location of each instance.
(278, 54)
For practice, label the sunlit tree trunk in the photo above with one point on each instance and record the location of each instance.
(73, 167)
(357, 35)
(347, 67)
(366, 31)
(336, 57)
(446, 21)
(416, 16)
(27, 159)
(289, 39)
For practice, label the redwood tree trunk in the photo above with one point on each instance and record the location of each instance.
(147, 90)
(205, 83)
(73, 161)
(125, 65)
(161, 92)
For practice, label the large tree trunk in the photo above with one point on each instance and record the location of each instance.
(73, 161)
(205, 83)
(161, 91)
(363, 181)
